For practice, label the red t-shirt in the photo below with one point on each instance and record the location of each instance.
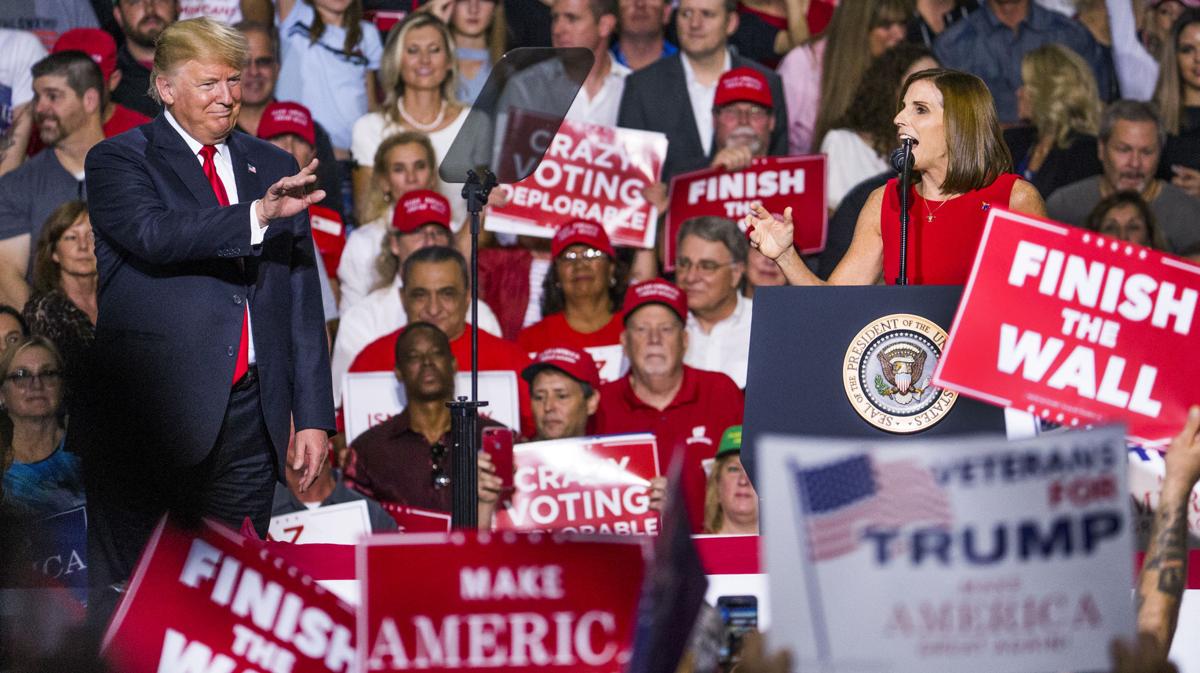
(692, 424)
(495, 354)
(554, 331)
(329, 235)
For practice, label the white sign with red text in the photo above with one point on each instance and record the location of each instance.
(949, 555)
(583, 485)
(345, 523)
(371, 398)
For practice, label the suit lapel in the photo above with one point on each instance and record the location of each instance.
(174, 151)
(249, 187)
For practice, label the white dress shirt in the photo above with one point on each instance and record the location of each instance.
(701, 98)
(726, 348)
(224, 165)
(602, 108)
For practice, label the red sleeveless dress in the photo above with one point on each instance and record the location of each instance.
(942, 250)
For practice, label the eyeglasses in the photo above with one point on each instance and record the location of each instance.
(659, 332)
(23, 378)
(438, 475)
(754, 113)
(585, 255)
(706, 267)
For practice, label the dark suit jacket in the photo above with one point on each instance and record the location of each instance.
(175, 272)
(1062, 166)
(656, 99)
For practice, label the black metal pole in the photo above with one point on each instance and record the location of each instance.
(905, 183)
(464, 413)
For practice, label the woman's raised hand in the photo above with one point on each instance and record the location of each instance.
(767, 233)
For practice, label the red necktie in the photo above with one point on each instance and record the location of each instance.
(242, 365)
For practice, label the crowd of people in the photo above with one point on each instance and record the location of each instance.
(1086, 112)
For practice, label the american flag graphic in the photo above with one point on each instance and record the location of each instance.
(841, 499)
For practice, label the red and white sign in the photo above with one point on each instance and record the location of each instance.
(583, 484)
(370, 398)
(1106, 330)
(588, 172)
(778, 182)
(498, 603)
(417, 520)
(211, 600)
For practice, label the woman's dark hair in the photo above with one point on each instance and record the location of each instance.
(352, 21)
(46, 271)
(1095, 219)
(5, 309)
(874, 109)
(553, 300)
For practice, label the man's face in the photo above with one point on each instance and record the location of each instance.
(434, 292)
(1130, 156)
(744, 125)
(205, 98)
(425, 236)
(707, 273)
(642, 18)
(559, 407)
(143, 20)
(296, 146)
(10, 332)
(425, 366)
(58, 111)
(703, 26)
(573, 25)
(262, 70)
(655, 341)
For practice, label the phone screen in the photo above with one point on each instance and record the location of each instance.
(739, 614)
(498, 443)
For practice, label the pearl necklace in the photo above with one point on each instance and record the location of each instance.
(437, 121)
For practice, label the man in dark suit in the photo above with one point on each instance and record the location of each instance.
(675, 94)
(210, 337)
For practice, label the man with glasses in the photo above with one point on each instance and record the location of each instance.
(141, 21)
(406, 460)
(687, 409)
(711, 269)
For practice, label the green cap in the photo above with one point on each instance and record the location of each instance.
(731, 441)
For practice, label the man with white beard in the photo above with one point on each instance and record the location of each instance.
(743, 118)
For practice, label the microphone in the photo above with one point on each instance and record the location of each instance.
(899, 154)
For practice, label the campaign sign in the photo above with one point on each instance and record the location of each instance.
(584, 485)
(370, 398)
(58, 549)
(1147, 470)
(505, 602)
(209, 599)
(1106, 329)
(948, 555)
(776, 182)
(417, 520)
(588, 172)
(332, 524)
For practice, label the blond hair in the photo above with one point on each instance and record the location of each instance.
(714, 514)
(196, 40)
(1062, 92)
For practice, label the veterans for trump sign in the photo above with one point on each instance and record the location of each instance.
(1106, 330)
(507, 602)
(588, 172)
(948, 555)
(776, 182)
(583, 484)
(211, 600)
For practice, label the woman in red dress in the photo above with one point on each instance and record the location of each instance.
(960, 170)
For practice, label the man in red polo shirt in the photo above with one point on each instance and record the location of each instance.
(686, 409)
(436, 291)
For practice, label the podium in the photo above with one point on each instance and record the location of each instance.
(854, 362)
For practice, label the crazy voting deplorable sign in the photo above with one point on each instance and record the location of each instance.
(507, 602)
(588, 172)
(584, 485)
(777, 182)
(949, 555)
(205, 600)
(1106, 329)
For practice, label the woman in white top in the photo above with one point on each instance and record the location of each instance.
(858, 149)
(419, 74)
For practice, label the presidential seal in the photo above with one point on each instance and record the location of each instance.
(888, 374)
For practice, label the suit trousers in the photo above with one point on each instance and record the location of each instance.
(128, 493)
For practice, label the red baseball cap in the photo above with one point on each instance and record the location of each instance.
(743, 84)
(419, 208)
(581, 231)
(656, 291)
(574, 363)
(284, 117)
(95, 43)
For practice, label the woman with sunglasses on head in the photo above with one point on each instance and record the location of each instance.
(40, 477)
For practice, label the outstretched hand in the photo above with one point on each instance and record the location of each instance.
(291, 195)
(767, 233)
